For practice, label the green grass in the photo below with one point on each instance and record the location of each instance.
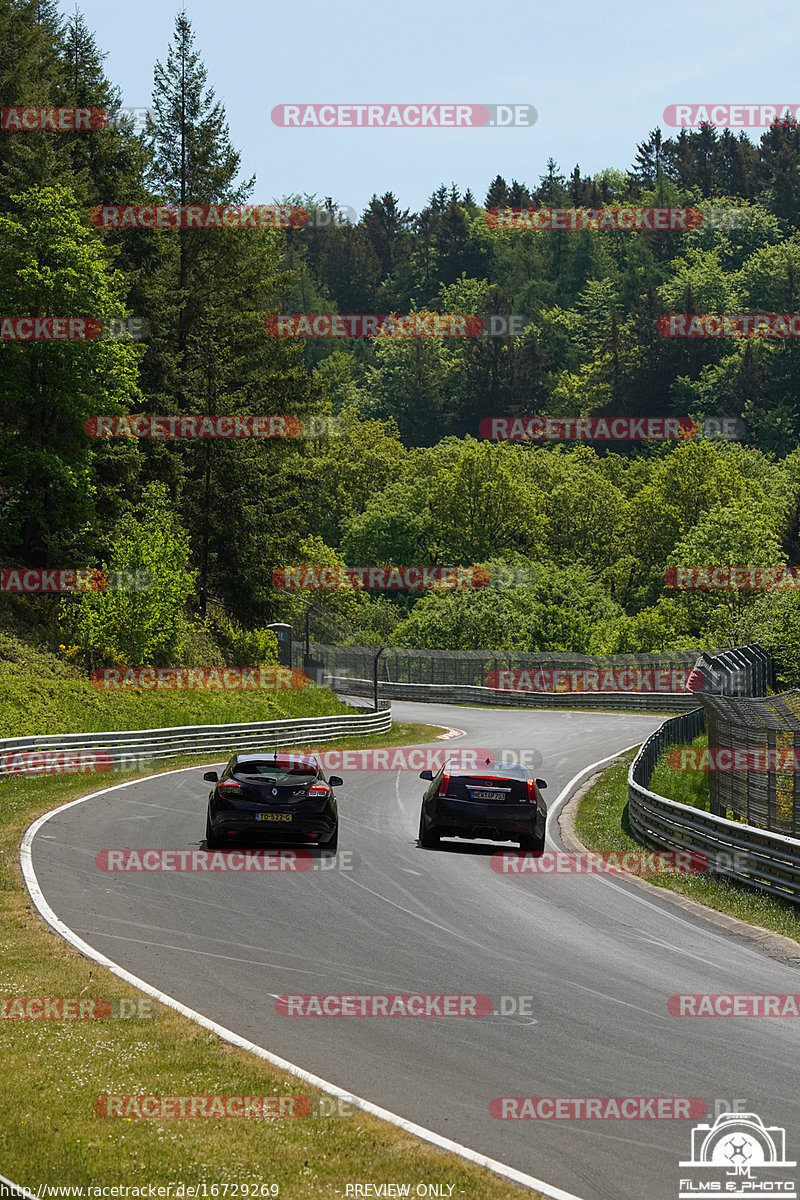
(41, 693)
(601, 823)
(685, 787)
(54, 1070)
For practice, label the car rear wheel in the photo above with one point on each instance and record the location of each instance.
(212, 841)
(531, 845)
(428, 839)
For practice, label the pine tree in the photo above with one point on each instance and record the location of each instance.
(648, 159)
(497, 196)
(780, 169)
(552, 185)
(107, 164)
(519, 196)
(31, 44)
(207, 294)
(386, 224)
(192, 159)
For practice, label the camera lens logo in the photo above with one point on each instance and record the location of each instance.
(736, 1150)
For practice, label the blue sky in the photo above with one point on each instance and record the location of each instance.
(598, 74)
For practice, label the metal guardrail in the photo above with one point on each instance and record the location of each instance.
(436, 693)
(767, 861)
(175, 741)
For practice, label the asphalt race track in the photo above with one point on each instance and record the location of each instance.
(598, 955)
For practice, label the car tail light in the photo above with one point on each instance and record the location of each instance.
(319, 791)
(445, 784)
(531, 792)
(230, 785)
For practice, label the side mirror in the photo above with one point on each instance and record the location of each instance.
(541, 784)
(335, 781)
(426, 775)
(211, 776)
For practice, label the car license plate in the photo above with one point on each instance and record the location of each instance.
(273, 816)
(487, 796)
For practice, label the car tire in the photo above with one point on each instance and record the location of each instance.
(333, 845)
(428, 839)
(212, 841)
(531, 845)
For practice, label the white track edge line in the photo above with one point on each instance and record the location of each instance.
(20, 1190)
(228, 1035)
(568, 789)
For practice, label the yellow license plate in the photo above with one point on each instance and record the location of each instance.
(273, 816)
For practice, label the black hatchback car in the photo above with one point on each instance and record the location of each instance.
(498, 801)
(277, 797)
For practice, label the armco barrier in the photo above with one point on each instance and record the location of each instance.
(767, 861)
(437, 693)
(179, 740)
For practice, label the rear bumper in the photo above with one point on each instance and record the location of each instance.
(317, 827)
(493, 822)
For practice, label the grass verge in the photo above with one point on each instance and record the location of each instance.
(685, 787)
(601, 823)
(54, 1070)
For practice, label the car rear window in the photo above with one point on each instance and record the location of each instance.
(279, 774)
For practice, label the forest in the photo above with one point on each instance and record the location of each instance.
(391, 465)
